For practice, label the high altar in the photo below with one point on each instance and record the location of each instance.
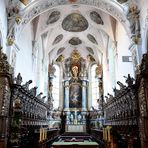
(75, 93)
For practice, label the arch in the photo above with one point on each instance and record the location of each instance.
(38, 7)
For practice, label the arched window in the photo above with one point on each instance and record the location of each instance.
(94, 87)
(56, 84)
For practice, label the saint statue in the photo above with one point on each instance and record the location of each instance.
(75, 71)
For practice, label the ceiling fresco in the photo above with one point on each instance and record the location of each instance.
(92, 38)
(58, 39)
(96, 17)
(89, 49)
(75, 41)
(53, 17)
(75, 22)
(60, 50)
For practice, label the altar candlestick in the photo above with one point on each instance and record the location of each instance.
(108, 134)
(40, 134)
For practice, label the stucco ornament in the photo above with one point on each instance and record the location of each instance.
(75, 41)
(96, 17)
(40, 6)
(92, 38)
(53, 17)
(75, 22)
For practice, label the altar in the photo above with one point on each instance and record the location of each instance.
(75, 93)
(75, 128)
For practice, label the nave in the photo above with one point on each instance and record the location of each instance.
(73, 73)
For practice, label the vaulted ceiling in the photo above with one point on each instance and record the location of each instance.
(70, 27)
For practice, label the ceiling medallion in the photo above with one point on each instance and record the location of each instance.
(75, 22)
(92, 39)
(60, 50)
(89, 49)
(75, 41)
(53, 17)
(57, 39)
(96, 17)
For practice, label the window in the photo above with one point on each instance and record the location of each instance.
(56, 83)
(94, 86)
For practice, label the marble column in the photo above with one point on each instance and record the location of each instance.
(66, 105)
(84, 94)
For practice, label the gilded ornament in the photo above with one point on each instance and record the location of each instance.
(10, 41)
(18, 19)
(60, 58)
(75, 56)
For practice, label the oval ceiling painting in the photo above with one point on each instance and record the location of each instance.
(57, 39)
(53, 17)
(92, 39)
(89, 49)
(60, 50)
(75, 41)
(75, 22)
(96, 17)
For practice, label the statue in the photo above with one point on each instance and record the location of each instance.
(110, 96)
(79, 118)
(75, 72)
(51, 70)
(116, 91)
(26, 85)
(133, 17)
(39, 95)
(129, 80)
(33, 91)
(18, 79)
(122, 86)
(50, 97)
(43, 98)
(57, 113)
(67, 66)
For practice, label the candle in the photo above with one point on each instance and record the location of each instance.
(105, 133)
(40, 134)
(43, 134)
(108, 134)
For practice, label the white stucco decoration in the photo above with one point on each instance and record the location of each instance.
(39, 6)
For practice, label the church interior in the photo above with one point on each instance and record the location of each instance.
(74, 73)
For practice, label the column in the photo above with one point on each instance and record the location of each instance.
(66, 95)
(84, 94)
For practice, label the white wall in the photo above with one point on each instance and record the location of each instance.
(123, 43)
(32, 69)
(3, 23)
(24, 56)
